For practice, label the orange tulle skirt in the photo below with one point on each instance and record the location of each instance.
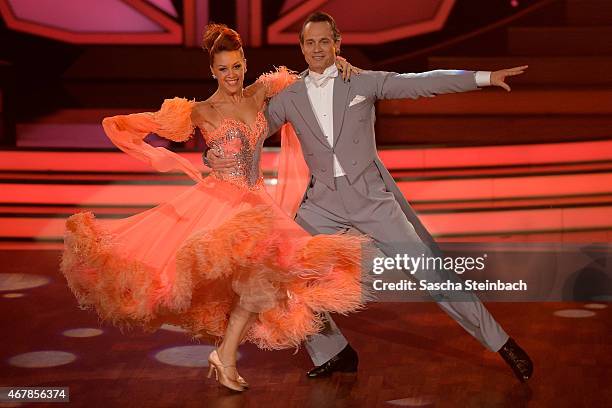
(188, 261)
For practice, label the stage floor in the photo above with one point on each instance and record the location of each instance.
(411, 355)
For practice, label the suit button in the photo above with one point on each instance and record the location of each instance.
(323, 170)
(355, 141)
(354, 162)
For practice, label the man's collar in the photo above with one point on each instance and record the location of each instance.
(321, 79)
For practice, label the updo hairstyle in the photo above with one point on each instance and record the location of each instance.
(219, 37)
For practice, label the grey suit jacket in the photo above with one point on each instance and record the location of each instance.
(354, 137)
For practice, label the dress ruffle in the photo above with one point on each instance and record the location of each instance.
(124, 291)
(255, 256)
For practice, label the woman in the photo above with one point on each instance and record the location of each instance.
(223, 259)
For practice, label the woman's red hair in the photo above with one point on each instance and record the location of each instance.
(219, 37)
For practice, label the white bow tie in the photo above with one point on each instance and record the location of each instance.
(321, 79)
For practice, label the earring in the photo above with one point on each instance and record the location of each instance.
(214, 76)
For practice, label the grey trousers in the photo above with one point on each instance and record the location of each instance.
(368, 207)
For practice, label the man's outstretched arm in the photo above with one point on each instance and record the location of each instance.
(391, 85)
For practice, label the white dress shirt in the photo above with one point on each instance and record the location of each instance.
(320, 89)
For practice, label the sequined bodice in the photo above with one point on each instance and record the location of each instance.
(234, 138)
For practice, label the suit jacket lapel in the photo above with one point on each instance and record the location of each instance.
(341, 93)
(302, 103)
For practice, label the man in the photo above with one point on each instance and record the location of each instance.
(350, 187)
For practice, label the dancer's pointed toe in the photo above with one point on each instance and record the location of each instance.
(221, 372)
(346, 361)
(517, 359)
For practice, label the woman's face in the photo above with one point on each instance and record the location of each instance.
(229, 68)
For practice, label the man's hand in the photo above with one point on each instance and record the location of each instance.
(498, 77)
(220, 164)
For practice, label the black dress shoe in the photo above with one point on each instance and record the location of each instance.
(345, 361)
(517, 359)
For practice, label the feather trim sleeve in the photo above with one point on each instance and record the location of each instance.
(274, 82)
(174, 118)
(172, 122)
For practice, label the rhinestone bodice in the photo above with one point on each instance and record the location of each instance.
(244, 142)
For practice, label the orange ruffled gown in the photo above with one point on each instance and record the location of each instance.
(221, 241)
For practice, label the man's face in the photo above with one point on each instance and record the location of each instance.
(319, 47)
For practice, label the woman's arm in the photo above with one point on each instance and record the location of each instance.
(272, 83)
(172, 121)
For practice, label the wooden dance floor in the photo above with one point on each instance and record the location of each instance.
(412, 355)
